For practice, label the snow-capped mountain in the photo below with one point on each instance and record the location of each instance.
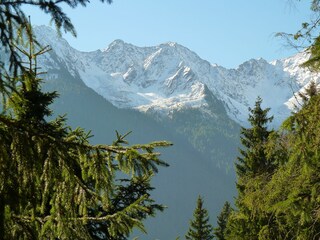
(170, 80)
(205, 146)
(170, 77)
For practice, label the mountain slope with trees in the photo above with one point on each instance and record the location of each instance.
(54, 183)
(190, 173)
(282, 201)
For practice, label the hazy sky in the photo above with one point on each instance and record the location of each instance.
(226, 32)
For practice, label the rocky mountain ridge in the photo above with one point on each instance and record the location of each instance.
(170, 77)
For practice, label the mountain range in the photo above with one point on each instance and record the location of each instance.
(170, 77)
(168, 92)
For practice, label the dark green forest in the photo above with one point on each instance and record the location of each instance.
(278, 179)
(278, 176)
(56, 184)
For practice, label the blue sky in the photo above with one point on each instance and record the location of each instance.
(226, 32)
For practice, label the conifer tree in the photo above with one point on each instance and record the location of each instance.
(283, 202)
(220, 230)
(292, 194)
(310, 91)
(53, 183)
(253, 168)
(200, 228)
(254, 158)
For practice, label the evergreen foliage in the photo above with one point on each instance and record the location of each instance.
(292, 194)
(200, 228)
(284, 203)
(220, 231)
(254, 160)
(53, 183)
(307, 38)
(253, 168)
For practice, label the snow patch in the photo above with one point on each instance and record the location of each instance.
(170, 76)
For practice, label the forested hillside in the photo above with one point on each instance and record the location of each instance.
(278, 176)
(138, 174)
(199, 145)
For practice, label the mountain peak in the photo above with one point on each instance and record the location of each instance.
(169, 76)
(116, 44)
(45, 29)
(174, 45)
(170, 44)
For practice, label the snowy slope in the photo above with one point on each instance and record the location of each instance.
(169, 77)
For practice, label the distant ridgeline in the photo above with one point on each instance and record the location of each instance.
(169, 93)
(170, 77)
(194, 169)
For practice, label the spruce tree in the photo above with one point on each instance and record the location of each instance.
(253, 168)
(292, 194)
(53, 183)
(284, 204)
(283, 201)
(220, 230)
(200, 228)
(254, 158)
